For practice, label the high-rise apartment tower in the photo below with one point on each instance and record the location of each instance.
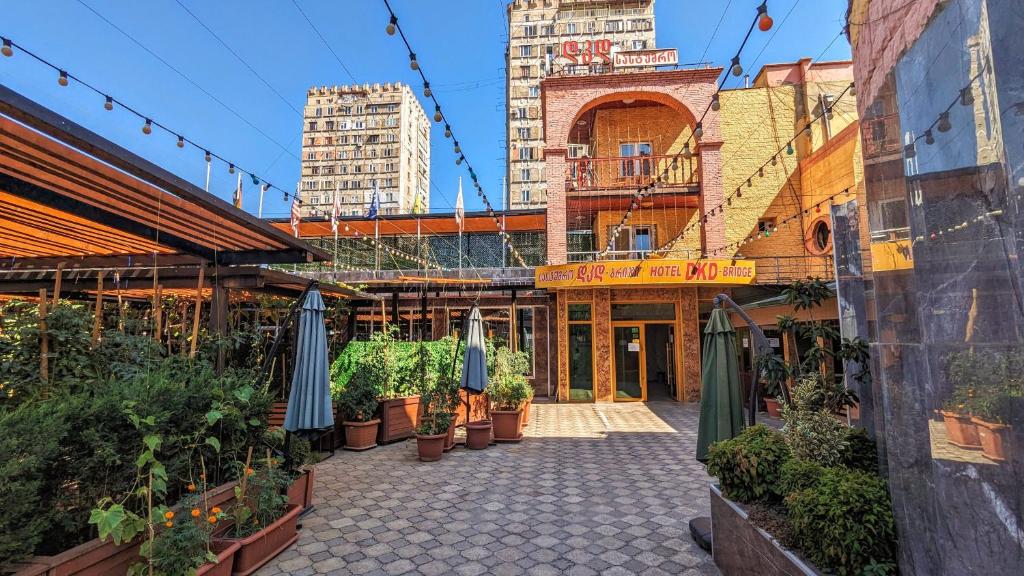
(354, 137)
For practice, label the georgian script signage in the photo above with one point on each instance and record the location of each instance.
(643, 272)
(587, 51)
(667, 57)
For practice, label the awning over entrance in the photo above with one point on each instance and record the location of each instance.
(662, 272)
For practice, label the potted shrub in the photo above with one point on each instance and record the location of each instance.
(260, 521)
(358, 402)
(399, 382)
(990, 410)
(508, 392)
(967, 372)
(300, 457)
(431, 436)
(774, 374)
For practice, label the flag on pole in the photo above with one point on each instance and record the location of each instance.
(460, 209)
(417, 205)
(336, 208)
(296, 216)
(238, 192)
(263, 190)
(374, 203)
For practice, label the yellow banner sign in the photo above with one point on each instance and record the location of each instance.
(893, 255)
(635, 272)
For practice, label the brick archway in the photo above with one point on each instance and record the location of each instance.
(566, 98)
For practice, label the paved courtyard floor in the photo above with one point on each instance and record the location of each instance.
(592, 489)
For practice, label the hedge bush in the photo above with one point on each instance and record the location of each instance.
(844, 521)
(799, 474)
(861, 452)
(748, 466)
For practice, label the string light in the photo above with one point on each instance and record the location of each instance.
(928, 137)
(764, 23)
(426, 90)
(412, 61)
(390, 29)
(447, 131)
(62, 78)
(181, 142)
(967, 97)
(7, 50)
(231, 168)
(147, 128)
(737, 69)
(944, 125)
(108, 103)
(716, 105)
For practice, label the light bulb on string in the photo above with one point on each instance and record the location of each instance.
(737, 69)
(716, 105)
(437, 113)
(412, 61)
(789, 148)
(775, 160)
(928, 137)
(944, 125)
(764, 22)
(147, 128)
(853, 89)
(458, 149)
(687, 153)
(8, 48)
(966, 96)
(231, 168)
(426, 90)
(62, 78)
(108, 103)
(698, 130)
(181, 141)
(447, 131)
(392, 25)
(459, 160)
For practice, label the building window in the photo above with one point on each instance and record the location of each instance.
(526, 153)
(819, 237)
(524, 195)
(525, 51)
(548, 30)
(524, 175)
(570, 28)
(524, 133)
(613, 26)
(314, 199)
(637, 167)
(312, 124)
(329, 125)
(534, 91)
(530, 30)
(639, 44)
(521, 113)
(524, 71)
(765, 225)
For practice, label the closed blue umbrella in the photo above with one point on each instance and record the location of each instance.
(309, 403)
(474, 365)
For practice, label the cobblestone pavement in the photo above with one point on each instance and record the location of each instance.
(592, 489)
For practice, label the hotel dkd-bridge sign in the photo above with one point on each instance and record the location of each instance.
(645, 272)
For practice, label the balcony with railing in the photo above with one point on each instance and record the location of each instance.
(618, 174)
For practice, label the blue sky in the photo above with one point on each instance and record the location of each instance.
(459, 43)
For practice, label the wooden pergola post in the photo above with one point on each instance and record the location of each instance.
(218, 320)
(56, 283)
(158, 312)
(195, 313)
(97, 325)
(44, 346)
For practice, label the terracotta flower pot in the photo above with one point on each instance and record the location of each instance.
(449, 438)
(995, 439)
(430, 446)
(478, 434)
(257, 549)
(960, 430)
(526, 412)
(774, 407)
(508, 425)
(361, 435)
(300, 493)
(225, 551)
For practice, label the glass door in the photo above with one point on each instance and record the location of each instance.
(629, 362)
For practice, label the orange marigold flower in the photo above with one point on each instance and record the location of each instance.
(191, 487)
(212, 519)
(215, 510)
(168, 524)
(249, 471)
(168, 515)
(195, 512)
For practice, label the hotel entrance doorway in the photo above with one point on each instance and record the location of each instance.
(644, 351)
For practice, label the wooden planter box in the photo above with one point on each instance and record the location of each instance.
(742, 549)
(479, 408)
(300, 493)
(259, 548)
(399, 418)
(225, 552)
(99, 558)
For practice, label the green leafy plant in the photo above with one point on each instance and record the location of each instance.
(508, 388)
(260, 496)
(748, 466)
(184, 542)
(798, 474)
(811, 431)
(361, 397)
(844, 521)
(861, 451)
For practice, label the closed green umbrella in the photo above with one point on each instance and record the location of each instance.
(721, 406)
(309, 403)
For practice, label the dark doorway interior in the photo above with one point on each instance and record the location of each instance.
(660, 359)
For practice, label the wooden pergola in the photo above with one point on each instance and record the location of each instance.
(84, 218)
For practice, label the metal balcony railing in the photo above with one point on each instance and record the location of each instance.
(787, 269)
(629, 172)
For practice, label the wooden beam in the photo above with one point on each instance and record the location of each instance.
(98, 321)
(195, 314)
(44, 346)
(56, 284)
